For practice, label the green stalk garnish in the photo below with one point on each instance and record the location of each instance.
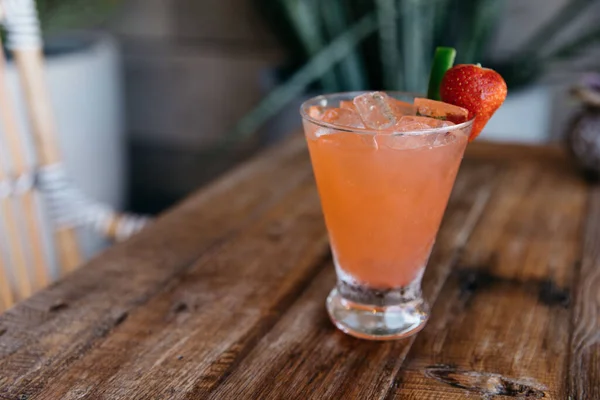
(442, 62)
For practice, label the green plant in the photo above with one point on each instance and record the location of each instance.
(530, 61)
(59, 15)
(398, 56)
(388, 44)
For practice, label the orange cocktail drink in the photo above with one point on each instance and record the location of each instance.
(384, 172)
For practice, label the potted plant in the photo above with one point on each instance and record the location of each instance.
(342, 45)
(83, 73)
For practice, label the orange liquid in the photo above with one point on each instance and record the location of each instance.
(382, 205)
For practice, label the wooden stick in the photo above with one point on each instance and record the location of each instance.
(29, 212)
(6, 295)
(16, 246)
(15, 243)
(34, 230)
(6, 299)
(30, 65)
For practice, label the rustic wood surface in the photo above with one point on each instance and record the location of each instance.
(224, 297)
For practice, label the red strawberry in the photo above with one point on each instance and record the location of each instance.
(480, 90)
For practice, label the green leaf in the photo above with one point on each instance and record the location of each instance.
(538, 43)
(388, 44)
(304, 15)
(351, 69)
(417, 21)
(443, 60)
(576, 45)
(312, 70)
(55, 15)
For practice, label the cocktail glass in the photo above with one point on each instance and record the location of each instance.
(383, 195)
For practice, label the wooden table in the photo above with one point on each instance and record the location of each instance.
(223, 298)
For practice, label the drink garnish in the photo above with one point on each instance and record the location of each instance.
(480, 91)
(443, 60)
(440, 110)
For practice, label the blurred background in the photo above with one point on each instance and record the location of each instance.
(155, 98)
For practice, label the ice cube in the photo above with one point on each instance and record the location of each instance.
(443, 139)
(375, 110)
(322, 132)
(411, 127)
(314, 131)
(401, 108)
(348, 141)
(370, 141)
(343, 117)
(316, 112)
(347, 104)
(423, 122)
(404, 141)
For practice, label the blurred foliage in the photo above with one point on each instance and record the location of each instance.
(339, 49)
(398, 55)
(344, 45)
(60, 15)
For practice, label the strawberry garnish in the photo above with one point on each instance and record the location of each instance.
(479, 90)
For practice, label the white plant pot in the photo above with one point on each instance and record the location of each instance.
(525, 117)
(86, 92)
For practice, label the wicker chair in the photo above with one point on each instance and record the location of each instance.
(28, 192)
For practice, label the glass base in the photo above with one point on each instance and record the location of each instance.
(377, 322)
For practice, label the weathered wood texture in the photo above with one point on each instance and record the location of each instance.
(224, 297)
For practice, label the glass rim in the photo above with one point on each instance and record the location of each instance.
(316, 99)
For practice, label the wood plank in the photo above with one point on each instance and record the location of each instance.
(583, 380)
(59, 325)
(186, 338)
(304, 353)
(224, 297)
(503, 327)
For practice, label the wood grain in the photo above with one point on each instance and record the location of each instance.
(583, 379)
(17, 252)
(6, 296)
(503, 326)
(304, 353)
(224, 297)
(8, 229)
(212, 315)
(128, 275)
